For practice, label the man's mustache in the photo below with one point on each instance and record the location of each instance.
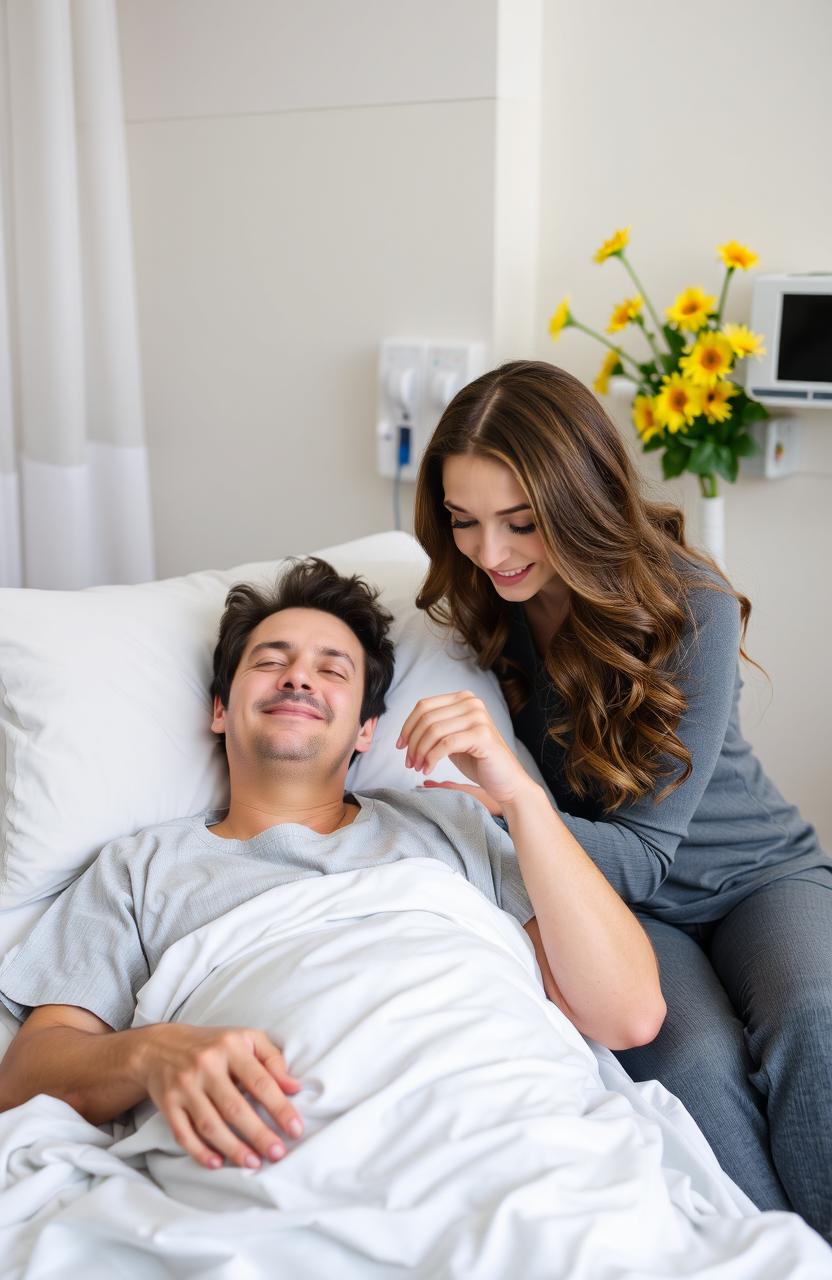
(304, 699)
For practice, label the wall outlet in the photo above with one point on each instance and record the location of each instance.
(417, 379)
(779, 441)
(400, 410)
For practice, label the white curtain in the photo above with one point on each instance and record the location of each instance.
(74, 487)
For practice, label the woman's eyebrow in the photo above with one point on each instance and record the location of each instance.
(509, 511)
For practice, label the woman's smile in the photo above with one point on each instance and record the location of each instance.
(510, 577)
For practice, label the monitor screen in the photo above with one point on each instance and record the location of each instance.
(806, 338)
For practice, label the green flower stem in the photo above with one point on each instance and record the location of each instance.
(622, 355)
(708, 486)
(729, 271)
(639, 320)
(629, 267)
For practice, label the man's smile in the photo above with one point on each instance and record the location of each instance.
(290, 709)
(302, 706)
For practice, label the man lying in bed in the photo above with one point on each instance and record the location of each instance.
(300, 677)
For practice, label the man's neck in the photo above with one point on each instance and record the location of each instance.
(253, 810)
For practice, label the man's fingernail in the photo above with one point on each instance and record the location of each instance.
(276, 1151)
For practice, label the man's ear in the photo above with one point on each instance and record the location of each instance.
(218, 722)
(365, 734)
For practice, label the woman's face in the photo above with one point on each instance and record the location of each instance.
(492, 525)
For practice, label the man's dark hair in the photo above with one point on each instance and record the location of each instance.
(309, 584)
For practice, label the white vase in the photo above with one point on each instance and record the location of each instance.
(712, 528)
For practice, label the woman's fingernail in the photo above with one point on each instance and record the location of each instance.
(252, 1162)
(214, 1162)
(399, 741)
(295, 1128)
(276, 1151)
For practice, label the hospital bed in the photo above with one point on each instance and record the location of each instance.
(457, 1125)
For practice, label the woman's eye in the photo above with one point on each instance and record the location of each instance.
(461, 524)
(522, 528)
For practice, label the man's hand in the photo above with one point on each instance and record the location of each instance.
(458, 725)
(197, 1077)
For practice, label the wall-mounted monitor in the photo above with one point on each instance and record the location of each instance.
(794, 315)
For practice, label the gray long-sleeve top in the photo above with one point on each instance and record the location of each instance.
(725, 831)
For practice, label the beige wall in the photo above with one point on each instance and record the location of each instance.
(698, 124)
(309, 179)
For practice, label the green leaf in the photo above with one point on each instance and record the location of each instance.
(703, 459)
(726, 464)
(745, 446)
(676, 341)
(655, 442)
(674, 461)
(753, 411)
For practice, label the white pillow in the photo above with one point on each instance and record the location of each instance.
(104, 708)
(428, 661)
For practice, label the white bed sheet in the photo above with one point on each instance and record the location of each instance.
(457, 1125)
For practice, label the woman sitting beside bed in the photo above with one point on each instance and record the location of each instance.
(616, 645)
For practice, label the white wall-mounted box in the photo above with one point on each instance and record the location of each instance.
(794, 315)
(417, 379)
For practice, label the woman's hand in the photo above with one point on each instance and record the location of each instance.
(477, 792)
(458, 726)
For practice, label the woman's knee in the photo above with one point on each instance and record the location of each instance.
(702, 1052)
(793, 1033)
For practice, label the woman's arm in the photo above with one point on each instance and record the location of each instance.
(636, 847)
(601, 961)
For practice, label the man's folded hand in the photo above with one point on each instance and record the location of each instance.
(199, 1077)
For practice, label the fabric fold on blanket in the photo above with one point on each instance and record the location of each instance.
(457, 1124)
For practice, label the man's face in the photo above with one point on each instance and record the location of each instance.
(296, 694)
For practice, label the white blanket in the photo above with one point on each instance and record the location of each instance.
(456, 1123)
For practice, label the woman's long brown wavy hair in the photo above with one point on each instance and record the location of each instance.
(615, 660)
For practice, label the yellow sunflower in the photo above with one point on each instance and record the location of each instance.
(678, 403)
(644, 417)
(612, 248)
(561, 319)
(602, 382)
(708, 360)
(736, 255)
(691, 309)
(625, 313)
(743, 341)
(715, 401)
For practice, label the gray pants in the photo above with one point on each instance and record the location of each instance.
(747, 1042)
